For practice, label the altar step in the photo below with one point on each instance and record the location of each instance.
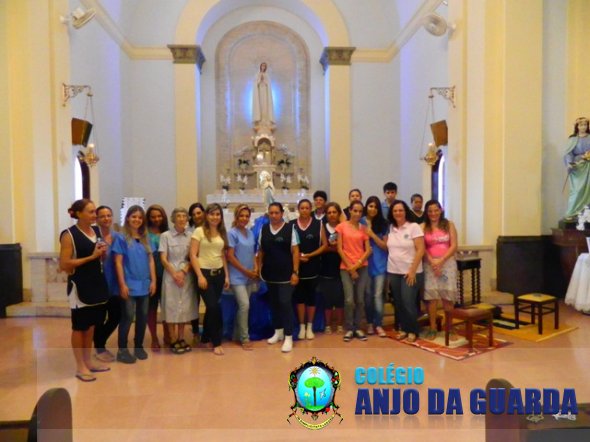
(60, 309)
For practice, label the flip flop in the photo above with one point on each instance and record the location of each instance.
(100, 369)
(84, 377)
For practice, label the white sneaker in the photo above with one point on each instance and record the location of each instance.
(287, 345)
(278, 336)
(370, 329)
(339, 329)
(328, 330)
(309, 332)
(301, 334)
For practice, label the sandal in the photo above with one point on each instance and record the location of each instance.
(177, 348)
(431, 335)
(155, 346)
(85, 377)
(185, 346)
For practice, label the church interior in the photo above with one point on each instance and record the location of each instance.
(351, 91)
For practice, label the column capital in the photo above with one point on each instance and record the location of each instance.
(187, 54)
(336, 55)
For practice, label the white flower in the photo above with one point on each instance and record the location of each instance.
(583, 217)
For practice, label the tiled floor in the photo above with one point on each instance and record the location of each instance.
(245, 396)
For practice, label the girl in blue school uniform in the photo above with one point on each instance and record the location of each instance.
(136, 275)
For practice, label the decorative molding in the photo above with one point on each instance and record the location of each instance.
(366, 55)
(187, 54)
(337, 56)
(389, 53)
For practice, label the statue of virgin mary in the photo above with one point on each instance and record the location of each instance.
(262, 105)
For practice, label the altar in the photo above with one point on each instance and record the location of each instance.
(254, 198)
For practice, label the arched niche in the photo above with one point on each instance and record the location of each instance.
(238, 57)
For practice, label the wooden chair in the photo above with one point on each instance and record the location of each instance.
(51, 420)
(516, 428)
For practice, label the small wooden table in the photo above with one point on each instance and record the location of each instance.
(536, 303)
(469, 316)
(473, 264)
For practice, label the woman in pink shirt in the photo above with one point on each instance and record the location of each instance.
(354, 249)
(440, 268)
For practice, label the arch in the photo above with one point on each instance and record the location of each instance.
(199, 15)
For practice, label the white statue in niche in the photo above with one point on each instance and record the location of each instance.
(262, 104)
(267, 186)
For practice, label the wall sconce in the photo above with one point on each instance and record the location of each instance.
(448, 93)
(71, 90)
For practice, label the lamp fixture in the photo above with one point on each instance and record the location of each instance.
(89, 153)
(78, 17)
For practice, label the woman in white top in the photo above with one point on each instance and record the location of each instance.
(405, 245)
(207, 256)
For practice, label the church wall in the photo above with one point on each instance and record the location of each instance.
(96, 61)
(7, 233)
(556, 125)
(375, 126)
(423, 64)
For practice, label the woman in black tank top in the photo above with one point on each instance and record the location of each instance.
(278, 261)
(80, 256)
(312, 243)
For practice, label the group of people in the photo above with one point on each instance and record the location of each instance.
(351, 258)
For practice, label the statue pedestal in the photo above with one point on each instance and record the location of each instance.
(571, 244)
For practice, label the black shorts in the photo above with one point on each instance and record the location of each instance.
(305, 291)
(332, 291)
(85, 317)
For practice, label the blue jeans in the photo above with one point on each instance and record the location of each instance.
(133, 306)
(354, 297)
(374, 300)
(242, 292)
(405, 300)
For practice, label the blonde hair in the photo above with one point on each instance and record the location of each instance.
(142, 231)
(237, 211)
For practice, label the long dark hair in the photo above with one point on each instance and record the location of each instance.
(164, 226)
(443, 223)
(406, 209)
(378, 223)
(192, 207)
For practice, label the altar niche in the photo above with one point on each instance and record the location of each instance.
(262, 102)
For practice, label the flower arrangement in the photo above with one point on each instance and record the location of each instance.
(285, 180)
(243, 164)
(225, 181)
(303, 181)
(284, 164)
(583, 218)
(242, 181)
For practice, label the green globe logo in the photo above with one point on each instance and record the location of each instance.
(314, 385)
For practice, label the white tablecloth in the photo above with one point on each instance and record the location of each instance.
(578, 292)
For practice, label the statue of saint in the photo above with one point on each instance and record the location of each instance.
(577, 159)
(262, 106)
(267, 186)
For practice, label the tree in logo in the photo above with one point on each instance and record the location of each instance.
(314, 379)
